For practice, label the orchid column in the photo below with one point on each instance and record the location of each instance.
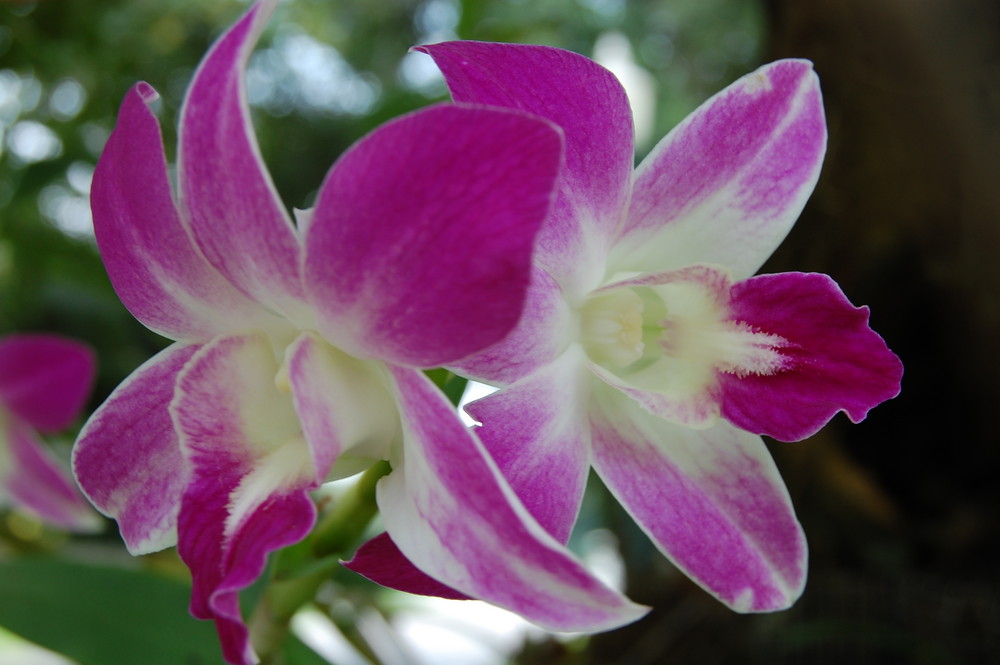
(298, 346)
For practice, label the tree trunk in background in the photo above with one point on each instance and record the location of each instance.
(906, 217)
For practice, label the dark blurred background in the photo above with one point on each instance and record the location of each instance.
(900, 511)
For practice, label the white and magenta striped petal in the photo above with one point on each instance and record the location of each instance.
(590, 106)
(250, 474)
(45, 379)
(449, 512)
(159, 274)
(226, 194)
(711, 500)
(834, 360)
(32, 479)
(419, 247)
(727, 184)
(537, 433)
(127, 458)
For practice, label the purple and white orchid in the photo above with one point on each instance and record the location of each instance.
(44, 382)
(298, 347)
(648, 350)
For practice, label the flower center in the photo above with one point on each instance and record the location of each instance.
(612, 328)
(697, 329)
(675, 337)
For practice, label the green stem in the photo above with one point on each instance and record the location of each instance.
(301, 569)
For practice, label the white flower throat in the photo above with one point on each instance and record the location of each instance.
(680, 327)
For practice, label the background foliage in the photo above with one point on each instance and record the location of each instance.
(900, 511)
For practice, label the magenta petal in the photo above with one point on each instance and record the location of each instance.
(127, 458)
(381, 561)
(543, 332)
(711, 500)
(226, 192)
(537, 433)
(448, 510)
(158, 273)
(45, 379)
(589, 104)
(837, 362)
(727, 184)
(35, 481)
(419, 248)
(250, 477)
(224, 562)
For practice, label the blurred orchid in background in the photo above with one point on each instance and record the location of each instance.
(647, 349)
(299, 347)
(44, 382)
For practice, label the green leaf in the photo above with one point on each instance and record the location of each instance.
(104, 616)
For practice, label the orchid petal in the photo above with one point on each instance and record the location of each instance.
(381, 561)
(590, 105)
(343, 404)
(542, 333)
(449, 511)
(711, 500)
(251, 471)
(34, 480)
(127, 458)
(226, 193)
(419, 248)
(837, 363)
(45, 379)
(537, 433)
(727, 184)
(158, 273)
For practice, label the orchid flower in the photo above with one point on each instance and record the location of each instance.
(44, 382)
(298, 347)
(648, 350)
